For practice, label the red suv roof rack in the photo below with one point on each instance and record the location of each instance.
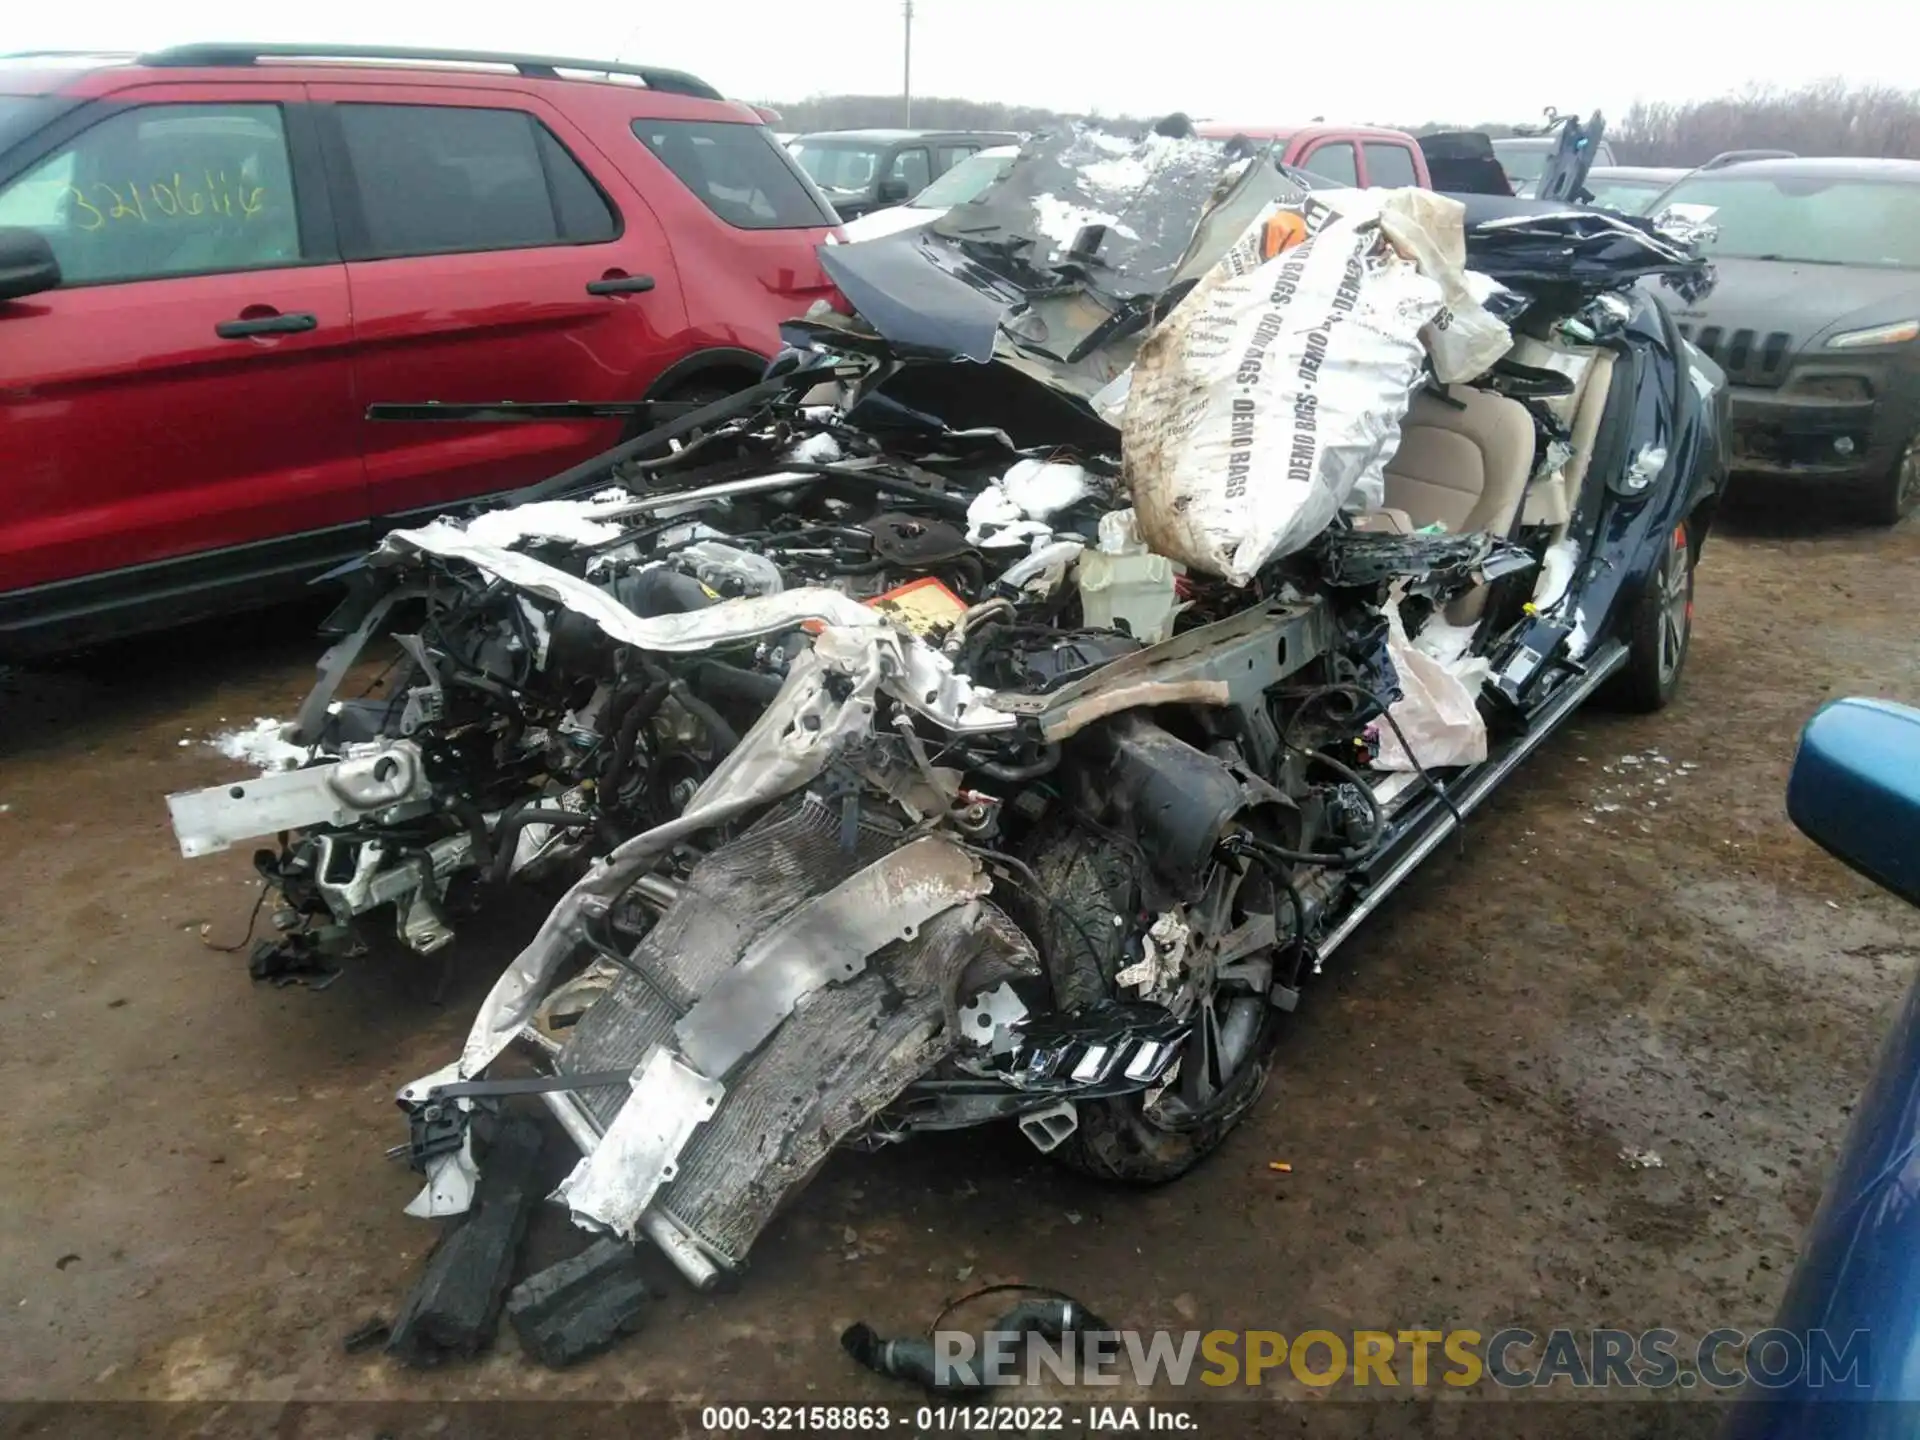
(540, 67)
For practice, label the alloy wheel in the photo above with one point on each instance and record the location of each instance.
(1229, 968)
(1676, 604)
(1906, 481)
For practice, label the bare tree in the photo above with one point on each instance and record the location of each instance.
(1826, 118)
(861, 112)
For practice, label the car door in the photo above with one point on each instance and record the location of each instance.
(486, 262)
(909, 174)
(1390, 164)
(184, 398)
(947, 156)
(1331, 159)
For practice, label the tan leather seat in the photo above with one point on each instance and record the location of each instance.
(1385, 522)
(1550, 499)
(1589, 410)
(1465, 466)
(1462, 465)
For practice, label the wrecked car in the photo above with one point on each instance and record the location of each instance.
(1006, 709)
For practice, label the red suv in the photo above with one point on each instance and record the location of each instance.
(213, 258)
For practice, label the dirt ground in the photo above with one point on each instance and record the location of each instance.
(1635, 956)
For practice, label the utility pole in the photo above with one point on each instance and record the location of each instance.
(906, 70)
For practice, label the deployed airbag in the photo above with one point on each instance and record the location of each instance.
(1274, 391)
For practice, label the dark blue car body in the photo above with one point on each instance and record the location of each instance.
(1856, 1290)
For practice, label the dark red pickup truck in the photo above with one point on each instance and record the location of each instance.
(1346, 154)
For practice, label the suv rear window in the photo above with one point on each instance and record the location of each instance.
(740, 172)
(438, 179)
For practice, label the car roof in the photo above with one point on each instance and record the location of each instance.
(1222, 130)
(1825, 167)
(87, 75)
(888, 137)
(1638, 172)
(47, 72)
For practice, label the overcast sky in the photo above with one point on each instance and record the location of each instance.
(1238, 60)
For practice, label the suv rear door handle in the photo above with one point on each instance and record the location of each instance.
(267, 325)
(620, 285)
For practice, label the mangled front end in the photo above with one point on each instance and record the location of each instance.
(1000, 712)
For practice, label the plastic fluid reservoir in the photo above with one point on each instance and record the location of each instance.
(1136, 586)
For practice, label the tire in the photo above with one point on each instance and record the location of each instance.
(1894, 498)
(1090, 881)
(1661, 630)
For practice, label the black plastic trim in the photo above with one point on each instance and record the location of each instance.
(538, 67)
(68, 614)
(720, 358)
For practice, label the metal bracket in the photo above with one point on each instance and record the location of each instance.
(826, 941)
(379, 778)
(432, 1130)
(640, 1150)
(1048, 1129)
(530, 1085)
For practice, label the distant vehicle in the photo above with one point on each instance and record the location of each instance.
(1815, 318)
(965, 182)
(214, 257)
(1524, 157)
(863, 170)
(1855, 789)
(1630, 189)
(1345, 154)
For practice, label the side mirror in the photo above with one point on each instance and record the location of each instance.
(892, 191)
(1855, 790)
(27, 265)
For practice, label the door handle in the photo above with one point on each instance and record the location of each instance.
(620, 285)
(267, 325)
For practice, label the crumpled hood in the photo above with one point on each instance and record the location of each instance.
(1146, 196)
(1805, 301)
(876, 223)
(1000, 278)
(1546, 247)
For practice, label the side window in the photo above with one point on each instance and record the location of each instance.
(739, 172)
(911, 166)
(585, 216)
(164, 190)
(1334, 161)
(951, 155)
(434, 180)
(1389, 164)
